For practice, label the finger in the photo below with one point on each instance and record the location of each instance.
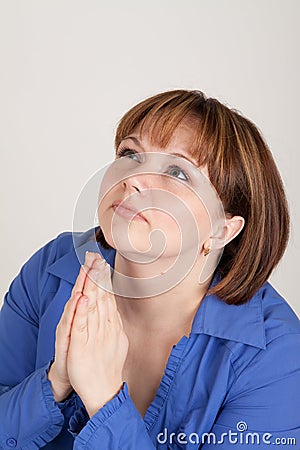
(110, 298)
(79, 283)
(106, 302)
(70, 306)
(63, 330)
(65, 323)
(79, 332)
(93, 318)
(89, 258)
(101, 293)
(93, 279)
(93, 288)
(119, 319)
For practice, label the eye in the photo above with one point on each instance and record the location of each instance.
(129, 153)
(177, 172)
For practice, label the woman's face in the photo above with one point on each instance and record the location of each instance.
(164, 210)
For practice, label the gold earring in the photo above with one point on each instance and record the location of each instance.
(206, 251)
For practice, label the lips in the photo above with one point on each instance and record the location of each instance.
(127, 210)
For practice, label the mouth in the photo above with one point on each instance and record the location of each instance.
(128, 211)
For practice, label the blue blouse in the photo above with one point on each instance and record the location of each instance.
(234, 382)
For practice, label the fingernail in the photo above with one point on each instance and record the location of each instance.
(89, 258)
(86, 257)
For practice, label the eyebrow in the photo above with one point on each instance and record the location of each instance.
(137, 142)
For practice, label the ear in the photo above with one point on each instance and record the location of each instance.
(233, 226)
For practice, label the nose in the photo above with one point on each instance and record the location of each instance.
(132, 184)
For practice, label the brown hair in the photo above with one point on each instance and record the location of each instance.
(243, 172)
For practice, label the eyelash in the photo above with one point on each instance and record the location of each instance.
(122, 150)
(122, 153)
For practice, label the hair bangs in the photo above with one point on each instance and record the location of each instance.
(160, 116)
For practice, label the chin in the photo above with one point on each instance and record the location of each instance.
(132, 244)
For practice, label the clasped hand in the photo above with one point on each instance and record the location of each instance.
(91, 345)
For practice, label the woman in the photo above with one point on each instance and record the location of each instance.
(206, 357)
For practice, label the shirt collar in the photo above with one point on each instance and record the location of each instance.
(241, 323)
(68, 264)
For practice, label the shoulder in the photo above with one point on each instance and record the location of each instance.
(267, 378)
(58, 259)
(278, 316)
(279, 360)
(38, 263)
(52, 267)
(263, 331)
(65, 243)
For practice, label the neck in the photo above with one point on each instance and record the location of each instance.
(171, 311)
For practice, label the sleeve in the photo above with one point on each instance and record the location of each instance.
(117, 425)
(29, 416)
(262, 408)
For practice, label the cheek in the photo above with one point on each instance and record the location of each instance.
(105, 201)
(104, 214)
(203, 222)
(185, 216)
(195, 225)
(186, 230)
(167, 227)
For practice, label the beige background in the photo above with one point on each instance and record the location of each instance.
(70, 69)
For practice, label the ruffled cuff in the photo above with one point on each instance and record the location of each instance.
(55, 416)
(83, 427)
(29, 414)
(55, 413)
(70, 401)
(79, 419)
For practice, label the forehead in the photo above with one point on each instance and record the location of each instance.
(152, 137)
